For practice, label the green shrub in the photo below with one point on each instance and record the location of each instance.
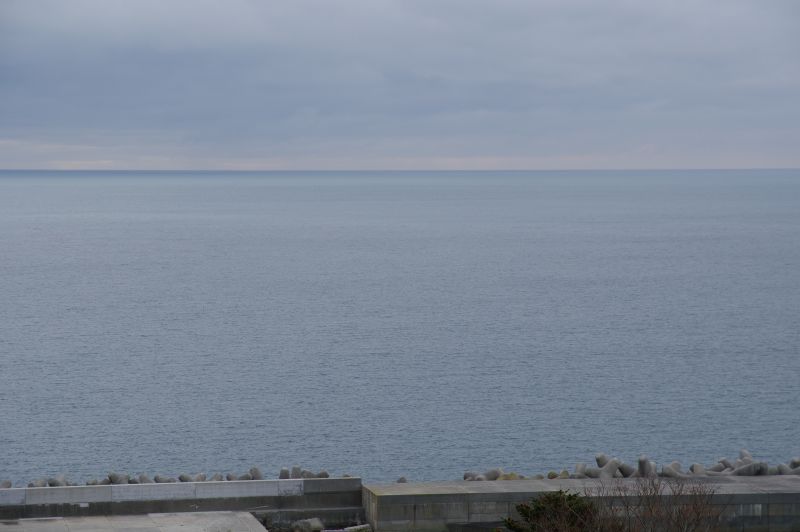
(641, 505)
(557, 511)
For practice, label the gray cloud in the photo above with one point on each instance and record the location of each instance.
(379, 83)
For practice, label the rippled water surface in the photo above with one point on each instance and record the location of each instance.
(382, 325)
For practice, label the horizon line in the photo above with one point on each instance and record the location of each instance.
(394, 170)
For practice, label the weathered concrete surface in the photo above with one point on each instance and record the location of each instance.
(747, 503)
(188, 522)
(275, 502)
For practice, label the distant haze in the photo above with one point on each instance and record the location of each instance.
(352, 84)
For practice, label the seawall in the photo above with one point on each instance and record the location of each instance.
(766, 503)
(744, 503)
(275, 503)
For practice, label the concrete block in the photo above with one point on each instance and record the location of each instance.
(485, 518)
(334, 499)
(750, 510)
(784, 523)
(728, 498)
(396, 512)
(358, 528)
(149, 492)
(456, 510)
(791, 509)
(487, 512)
(424, 525)
(785, 497)
(235, 489)
(291, 487)
(754, 524)
(505, 497)
(398, 526)
(12, 496)
(68, 495)
(322, 485)
(729, 514)
(399, 499)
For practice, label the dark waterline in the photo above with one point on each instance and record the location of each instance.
(387, 324)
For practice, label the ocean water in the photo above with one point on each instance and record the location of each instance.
(387, 324)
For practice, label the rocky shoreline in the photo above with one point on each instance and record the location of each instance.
(254, 473)
(612, 467)
(607, 467)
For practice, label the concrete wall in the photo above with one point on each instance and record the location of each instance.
(746, 503)
(335, 500)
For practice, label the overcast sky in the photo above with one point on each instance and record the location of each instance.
(427, 84)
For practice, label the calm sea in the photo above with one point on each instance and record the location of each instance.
(387, 324)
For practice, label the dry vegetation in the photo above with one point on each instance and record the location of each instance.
(645, 505)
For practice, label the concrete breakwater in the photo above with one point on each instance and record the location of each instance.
(612, 467)
(748, 494)
(276, 503)
(743, 503)
(114, 478)
(607, 468)
(770, 502)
